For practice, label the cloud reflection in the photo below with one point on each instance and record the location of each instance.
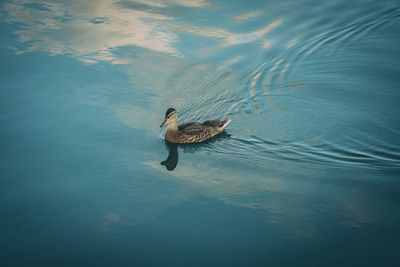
(245, 16)
(93, 31)
(87, 30)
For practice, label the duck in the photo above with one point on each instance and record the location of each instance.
(190, 132)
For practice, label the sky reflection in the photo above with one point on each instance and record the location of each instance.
(286, 148)
(93, 31)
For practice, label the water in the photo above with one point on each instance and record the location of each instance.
(307, 173)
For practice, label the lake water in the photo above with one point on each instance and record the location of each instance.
(306, 174)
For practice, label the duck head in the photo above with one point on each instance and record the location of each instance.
(171, 116)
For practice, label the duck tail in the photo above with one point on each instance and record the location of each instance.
(226, 122)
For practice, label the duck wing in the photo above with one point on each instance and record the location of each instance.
(215, 123)
(182, 126)
(193, 132)
(194, 128)
(207, 128)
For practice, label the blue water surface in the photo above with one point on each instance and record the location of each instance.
(306, 174)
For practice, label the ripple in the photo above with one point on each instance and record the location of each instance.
(351, 32)
(264, 152)
(282, 92)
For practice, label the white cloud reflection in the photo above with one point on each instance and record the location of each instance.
(164, 3)
(245, 16)
(88, 30)
(92, 31)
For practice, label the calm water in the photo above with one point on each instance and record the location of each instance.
(307, 173)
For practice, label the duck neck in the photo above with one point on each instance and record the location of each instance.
(173, 125)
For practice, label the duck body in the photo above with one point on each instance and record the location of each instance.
(191, 132)
(195, 132)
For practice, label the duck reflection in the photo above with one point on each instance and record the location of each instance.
(172, 160)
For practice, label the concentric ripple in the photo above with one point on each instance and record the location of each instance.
(291, 95)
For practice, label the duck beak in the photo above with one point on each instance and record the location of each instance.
(165, 122)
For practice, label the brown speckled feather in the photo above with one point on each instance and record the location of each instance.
(186, 124)
(190, 132)
(195, 132)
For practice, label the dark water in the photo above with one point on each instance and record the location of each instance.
(306, 174)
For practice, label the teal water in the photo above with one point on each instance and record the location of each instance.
(306, 174)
